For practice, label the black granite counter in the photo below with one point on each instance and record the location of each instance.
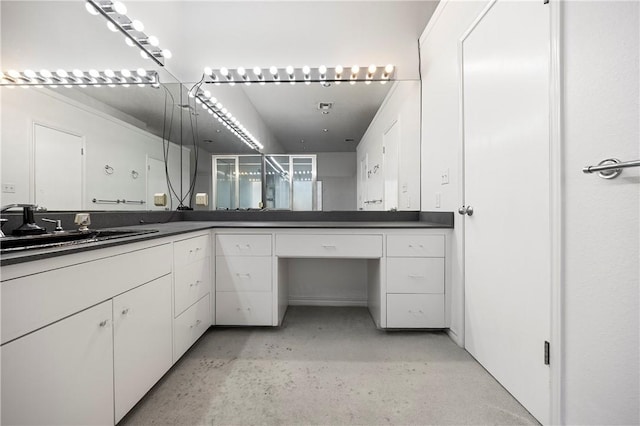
(191, 221)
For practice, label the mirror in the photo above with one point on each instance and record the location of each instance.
(131, 138)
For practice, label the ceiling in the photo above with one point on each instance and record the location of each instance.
(61, 34)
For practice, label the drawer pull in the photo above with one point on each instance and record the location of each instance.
(415, 276)
(240, 309)
(125, 311)
(104, 323)
(416, 312)
(417, 246)
(196, 324)
(243, 246)
(196, 249)
(247, 275)
(194, 284)
(329, 246)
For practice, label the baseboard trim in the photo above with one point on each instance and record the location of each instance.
(308, 301)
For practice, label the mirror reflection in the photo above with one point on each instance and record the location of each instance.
(96, 147)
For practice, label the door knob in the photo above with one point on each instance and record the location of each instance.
(468, 210)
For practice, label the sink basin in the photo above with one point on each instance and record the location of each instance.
(66, 238)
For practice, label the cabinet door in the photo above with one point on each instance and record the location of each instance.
(142, 341)
(61, 374)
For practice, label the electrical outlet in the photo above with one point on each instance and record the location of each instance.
(202, 199)
(9, 188)
(445, 177)
(438, 200)
(160, 199)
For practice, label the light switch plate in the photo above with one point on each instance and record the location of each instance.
(160, 199)
(202, 199)
(445, 177)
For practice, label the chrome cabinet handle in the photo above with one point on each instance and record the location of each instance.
(468, 210)
(125, 311)
(194, 284)
(247, 275)
(328, 246)
(415, 276)
(196, 324)
(103, 323)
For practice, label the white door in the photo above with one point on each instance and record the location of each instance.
(58, 169)
(390, 143)
(506, 62)
(156, 183)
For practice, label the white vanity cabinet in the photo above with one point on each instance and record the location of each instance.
(191, 290)
(244, 290)
(415, 278)
(61, 374)
(85, 335)
(142, 349)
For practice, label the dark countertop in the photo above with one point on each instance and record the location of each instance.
(176, 228)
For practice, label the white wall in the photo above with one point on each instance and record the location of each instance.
(401, 104)
(600, 45)
(337, 171)
(440, 148)
(107, 141)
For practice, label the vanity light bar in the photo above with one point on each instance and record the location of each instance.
(305, 75)
(227, 119)
(117, 20)
(110, 78)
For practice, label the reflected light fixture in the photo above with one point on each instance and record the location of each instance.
(322, 74)
(77, 77)
(117, 20)
(225, 117)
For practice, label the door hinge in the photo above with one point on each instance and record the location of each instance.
(81, 151)
(546, 353)
(383, 150)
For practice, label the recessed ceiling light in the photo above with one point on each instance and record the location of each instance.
(325, 130)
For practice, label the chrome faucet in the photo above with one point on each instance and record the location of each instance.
(58, 223)
(29, 226)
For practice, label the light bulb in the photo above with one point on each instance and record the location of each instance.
(153, 40)
(129, 42)
(257, 71)
(109, 73)
(111, 26)
(289, 70)
(13, 74)
(273, 71)
(61, 73)
(208, 71)
(141, 72)
(137, 25)
(372, 69)
(167, 53)
(388, 69)
(322, 70)
(77, 73)
(207, 94)
(92, 10)
(339, 69)
(47, 73)
(218, 105)
(213, 100)
(125, 73)
(224, 71)
(30, 73)
(120, 8)
(355, 69)
(241, 71)
(306, 70)
(224, 110)
(144, 55)
(94, 73)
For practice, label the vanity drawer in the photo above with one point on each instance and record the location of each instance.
(190, 250)
(323, 245)
(191, 282)
(34, 301)
(415, 275)
(243, 273)
(243, 245)
(190, 325)
(415, 245)
(415, 311)
(243, 308)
